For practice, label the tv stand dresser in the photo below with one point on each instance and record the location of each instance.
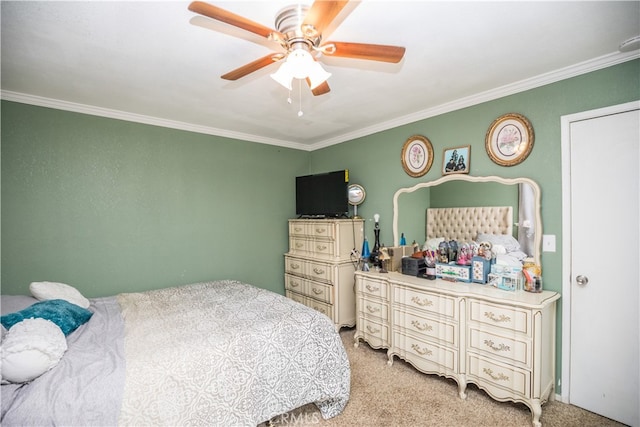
(319, 266)
(504, 342)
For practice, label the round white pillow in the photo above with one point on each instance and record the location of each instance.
(30, 348)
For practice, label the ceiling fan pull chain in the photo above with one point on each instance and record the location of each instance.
(300, 113)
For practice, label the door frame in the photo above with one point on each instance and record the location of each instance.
(565, 123)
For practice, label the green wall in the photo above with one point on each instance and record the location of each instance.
(111, 206)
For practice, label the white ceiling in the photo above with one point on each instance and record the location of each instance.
(159, 63)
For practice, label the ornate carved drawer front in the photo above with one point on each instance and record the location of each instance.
(294, 283)
(320, 291)
(500, 380)
(494, 345)
(312, 229)
(427, 356)
(426, 327)
(323, 308)
(296, 297)
(310, 269)
(374, 288)
(429, 302)
(374, 308)
(311, 247)
(510, 318)
(375, 332)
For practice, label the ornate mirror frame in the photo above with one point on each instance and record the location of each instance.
(508, 181)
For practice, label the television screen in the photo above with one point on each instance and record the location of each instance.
(324, 194)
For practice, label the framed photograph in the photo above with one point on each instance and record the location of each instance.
(456, 160)
(417, 156)
(509, 139)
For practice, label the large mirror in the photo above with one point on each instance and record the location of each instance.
(523, 194)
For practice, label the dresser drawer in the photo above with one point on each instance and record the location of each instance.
(426, 356)
(375, 332)
(326, 309)
(315, 270)
(501, 381)
(313, 229)
(312, 247)
(441, 305)
(317, 290)
(373, 288)
(493, 345)
(422, 326)
(509, 318)
(296, 297)
(374, 308)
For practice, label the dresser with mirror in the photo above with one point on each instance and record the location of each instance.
(502, 341)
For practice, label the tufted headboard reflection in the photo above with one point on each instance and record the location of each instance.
(464, 224)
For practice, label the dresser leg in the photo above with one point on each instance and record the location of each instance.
(536, 412)
(462, 387)
(390, 357)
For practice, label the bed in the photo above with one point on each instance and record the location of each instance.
(215, 353)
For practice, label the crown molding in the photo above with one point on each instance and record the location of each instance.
(490, 95)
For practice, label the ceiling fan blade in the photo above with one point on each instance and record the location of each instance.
(321, 89)
(373, 52)
(253, 66)
(230, 18)
(322, 13)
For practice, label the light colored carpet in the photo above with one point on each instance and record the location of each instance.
(399, 395)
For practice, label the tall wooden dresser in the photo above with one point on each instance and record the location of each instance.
(502, 341)
(320, 266)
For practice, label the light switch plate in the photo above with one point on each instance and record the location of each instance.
(548, 242)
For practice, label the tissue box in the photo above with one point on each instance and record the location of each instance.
(396, 253)
(458, 273)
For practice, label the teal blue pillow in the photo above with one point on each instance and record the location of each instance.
(66, 315)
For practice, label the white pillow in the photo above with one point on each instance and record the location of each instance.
(30, 348)
(52, 290)
(432, 244)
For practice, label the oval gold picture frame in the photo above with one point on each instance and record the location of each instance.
(417, 156)
(509, 140)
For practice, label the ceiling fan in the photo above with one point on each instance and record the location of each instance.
(299, 32)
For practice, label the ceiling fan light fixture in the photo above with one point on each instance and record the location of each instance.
(300, 65)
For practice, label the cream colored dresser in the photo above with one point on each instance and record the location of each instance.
(502, 341)
(319, 266)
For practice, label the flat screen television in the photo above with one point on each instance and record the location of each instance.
(323, 195)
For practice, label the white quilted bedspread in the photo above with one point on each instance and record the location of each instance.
(227, 354)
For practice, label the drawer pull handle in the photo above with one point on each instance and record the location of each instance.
(295, 266)
(320, 309)
(421, 327)
(321, 230)
(294, 284)
(372, 289)
(317, 291)
(421, 351)
(321, 248)
(318, 270)
(498, 319)
(493, 347)
(422, 302)
(299, 245)
(372, 330)
(373, 309)
(297, 229)
(499, 377)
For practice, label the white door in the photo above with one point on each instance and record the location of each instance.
(604, 185)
